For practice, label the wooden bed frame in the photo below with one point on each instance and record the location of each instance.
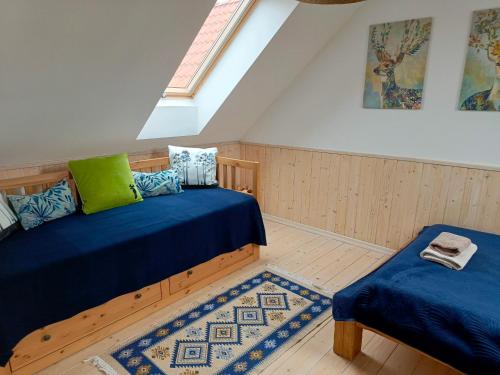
(348, 337)
(50, 344)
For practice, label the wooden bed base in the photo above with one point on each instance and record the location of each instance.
(348, 337)
(51, 344)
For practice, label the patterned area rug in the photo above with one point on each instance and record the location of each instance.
(238, 332)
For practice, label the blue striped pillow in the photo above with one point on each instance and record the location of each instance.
(8, 220)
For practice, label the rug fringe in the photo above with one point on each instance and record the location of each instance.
(101, 365)
(300, 279)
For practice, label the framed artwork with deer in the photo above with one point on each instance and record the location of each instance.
(396, 64)
(481, 83)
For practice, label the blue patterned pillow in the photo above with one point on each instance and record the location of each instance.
(158, 183)
(34, 210)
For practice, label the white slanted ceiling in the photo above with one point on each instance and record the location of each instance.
(304, 34)
(253, 73)
(81, 77)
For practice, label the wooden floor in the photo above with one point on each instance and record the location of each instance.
(325, 261)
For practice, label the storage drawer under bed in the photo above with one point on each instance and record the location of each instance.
(187, 278)
(55, 336)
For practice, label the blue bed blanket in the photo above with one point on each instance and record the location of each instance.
(66, 266)
(452, 315)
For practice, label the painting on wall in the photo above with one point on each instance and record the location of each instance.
(481, 83)
(397, 60)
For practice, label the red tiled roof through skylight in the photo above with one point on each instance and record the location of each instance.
(212, 28)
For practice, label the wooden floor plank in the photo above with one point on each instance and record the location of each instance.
(331, 363)
(298, 348)
(309, 354)
(325, 261)
(372, 358)
(403, 360)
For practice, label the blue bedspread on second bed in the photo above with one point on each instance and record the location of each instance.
(452, 315)
(66, 266)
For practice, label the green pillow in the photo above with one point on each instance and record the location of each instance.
(104, 182)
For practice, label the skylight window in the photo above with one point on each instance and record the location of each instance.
(214, 35)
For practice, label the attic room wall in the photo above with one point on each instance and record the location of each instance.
(227, 149)
(79, 78)
(323, 107)
(323, 155)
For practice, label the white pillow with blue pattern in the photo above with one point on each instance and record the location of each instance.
(195, 166)
(157, 183)
(34, 210)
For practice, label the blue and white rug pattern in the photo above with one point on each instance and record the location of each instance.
(237, 332)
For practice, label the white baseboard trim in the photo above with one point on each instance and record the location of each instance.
(326, 233)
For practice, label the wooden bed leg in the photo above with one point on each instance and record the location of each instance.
(347, 339)
(256, 252)
(5, 370)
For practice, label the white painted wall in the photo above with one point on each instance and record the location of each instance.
(323, 107)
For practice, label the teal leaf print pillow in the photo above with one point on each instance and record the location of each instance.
(157, 183)
(34, 210)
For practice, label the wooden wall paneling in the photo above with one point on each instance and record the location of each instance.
(381, 200)
(366, 196)
(425, 197)
(343, 194)
(455, 196)
(314, 210)
(433, 196)
(319, 215)
(353, 195)
(229, 150)
(409, 212)
(385, 201)
(441, 186)
(332, 162)
(302, 186)
(473, 189)
(260, 156)
(396, 212)
(375, 198)
(285, 185)
(490, 206)
(404, 203)
(273, 160)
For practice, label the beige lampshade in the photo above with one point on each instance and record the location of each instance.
(330, 1)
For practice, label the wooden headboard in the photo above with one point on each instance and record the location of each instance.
(229, 172)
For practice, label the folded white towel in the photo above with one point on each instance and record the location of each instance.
(457, 262)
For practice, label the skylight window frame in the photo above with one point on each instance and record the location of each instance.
(229, 32)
